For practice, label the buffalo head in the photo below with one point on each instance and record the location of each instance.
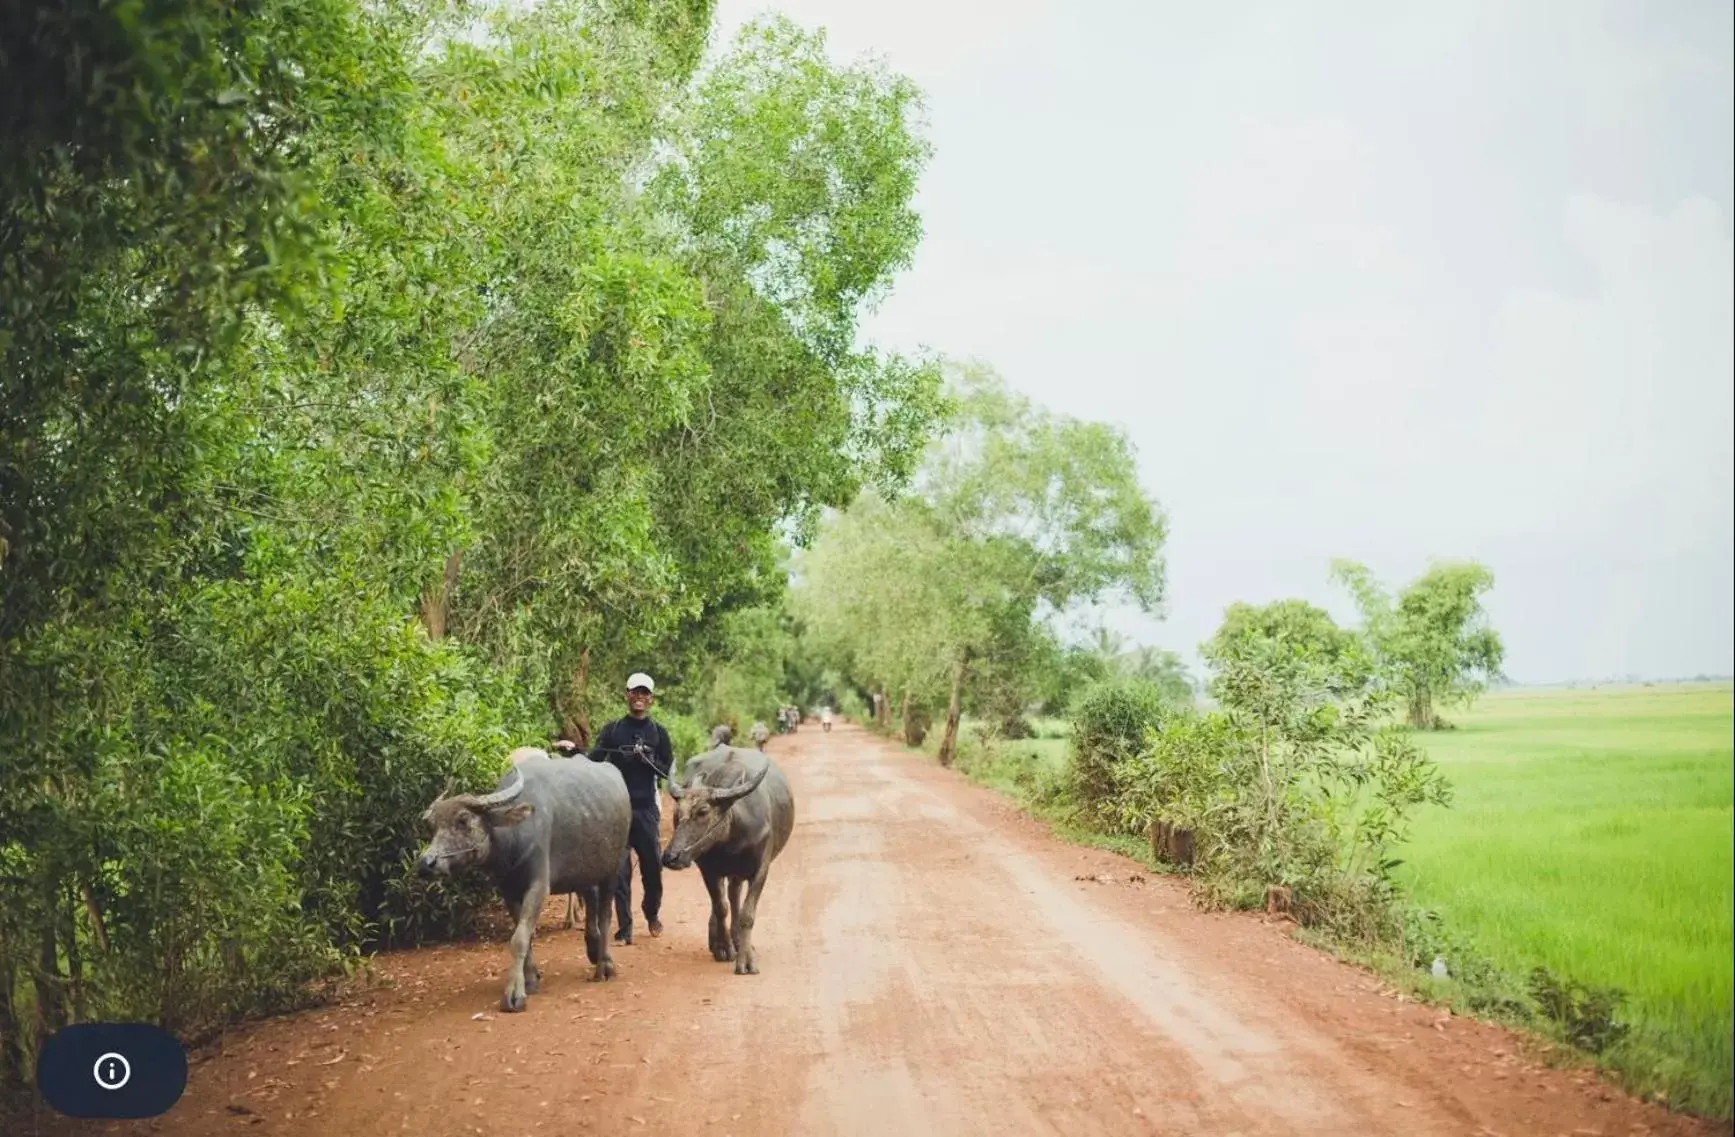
(464, 826)
(702, 815)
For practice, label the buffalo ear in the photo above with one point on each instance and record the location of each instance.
(511, 815)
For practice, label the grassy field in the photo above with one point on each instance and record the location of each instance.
(1592, 835)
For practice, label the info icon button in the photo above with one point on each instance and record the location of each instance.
(111, 1070)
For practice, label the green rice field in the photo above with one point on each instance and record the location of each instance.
(1591, 834)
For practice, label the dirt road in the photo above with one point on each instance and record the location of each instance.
(932, 963)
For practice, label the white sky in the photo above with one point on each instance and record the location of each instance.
(1380, 280)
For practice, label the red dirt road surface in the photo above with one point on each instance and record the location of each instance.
(932, 963)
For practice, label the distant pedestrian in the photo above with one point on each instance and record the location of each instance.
(760, 734)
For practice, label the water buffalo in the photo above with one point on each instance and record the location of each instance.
(733, 815)
(563, 748)
(549, 827)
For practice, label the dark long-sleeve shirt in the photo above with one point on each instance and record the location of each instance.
(615, 745)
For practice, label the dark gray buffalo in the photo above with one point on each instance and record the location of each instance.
(551, 826)
(733, 815)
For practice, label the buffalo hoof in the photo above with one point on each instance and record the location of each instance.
(533, 983)
(744, 965)
(604, 971)
(722, 954)
(513, 1002)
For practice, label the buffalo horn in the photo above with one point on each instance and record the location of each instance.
(501, 797)
(735, 792)
(451, 784)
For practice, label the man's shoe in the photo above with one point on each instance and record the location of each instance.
(624, 937)
(656, 928)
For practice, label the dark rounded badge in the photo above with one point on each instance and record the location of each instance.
(111, 1070)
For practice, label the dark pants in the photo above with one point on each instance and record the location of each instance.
(642, 840)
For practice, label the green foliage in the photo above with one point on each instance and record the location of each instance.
(384, 383)
(1074, 668)
(1585, 1015)
(1434, 645)
(943, 597)
(1111, 724)
(1294, 783)
(1298, 629)
(687, 736)
(1032, 770)
(1164, 670)
(232, 803)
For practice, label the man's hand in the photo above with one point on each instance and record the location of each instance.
(646, 755)
(566, 747)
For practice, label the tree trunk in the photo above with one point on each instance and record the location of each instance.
(575, 718)
(74, 1002)
(882, 709)
(954, 711)
(1421, 709)
(94, 911)
(13, 1049)
(50, 1017)
(436, 597)
(910, 738)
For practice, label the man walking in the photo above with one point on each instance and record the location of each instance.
(638, 747)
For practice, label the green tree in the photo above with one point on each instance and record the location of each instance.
(1294, 628)
(1293, 782)
(1162, 669)
(1015, 515)
(1106, 654)
(1434, 644)
(874, 596)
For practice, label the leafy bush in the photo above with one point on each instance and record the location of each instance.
(237, 813)
(1112, 723)
(1584, 1015)
(1294, 783)
(687, 736)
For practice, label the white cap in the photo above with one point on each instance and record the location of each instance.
(640, 679)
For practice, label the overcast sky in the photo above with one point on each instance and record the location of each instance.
(1390, 281)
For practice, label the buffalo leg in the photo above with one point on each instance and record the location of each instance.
(571, 910)
(719, 933)
(735, 884)
(596, 916)
(746, 963)
(592, 949)
(532, 973)
(529, 906)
